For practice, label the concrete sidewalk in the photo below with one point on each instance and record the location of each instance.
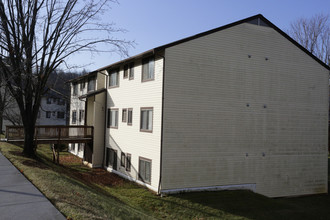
(20, 199)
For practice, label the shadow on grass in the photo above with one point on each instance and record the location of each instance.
(185, 208)
(255, 206)
(34, 163)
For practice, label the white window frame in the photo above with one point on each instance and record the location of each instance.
(146, 119)
(143, 174)
(113, 118)
(114, 78)
(148, 69)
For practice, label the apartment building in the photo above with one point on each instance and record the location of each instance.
(242, 106)
(53, 110)
(87, 107)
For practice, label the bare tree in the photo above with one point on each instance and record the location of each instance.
(314, 35)
(12, 114)
(36, 37)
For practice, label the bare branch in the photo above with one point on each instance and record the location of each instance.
(314, 35)
(37, 36)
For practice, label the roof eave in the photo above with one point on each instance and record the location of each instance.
(82, 77)
(92, 93)
(128, 60)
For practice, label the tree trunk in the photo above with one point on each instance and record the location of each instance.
(1, 114)
(1, 122)
(58, 154)
(29, 144)
(54, 152)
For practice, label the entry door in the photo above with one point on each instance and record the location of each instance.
(112, 158)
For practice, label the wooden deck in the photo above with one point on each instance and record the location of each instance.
(49, 134)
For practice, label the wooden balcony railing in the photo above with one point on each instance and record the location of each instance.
(52, 134)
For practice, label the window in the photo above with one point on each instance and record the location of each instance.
(146, 119)
(60, 114)
(129, 116)
(91, 84)
(124, 115)
(49, 100)
(125, 71)
(148, 68)
(131, 70)
(128, 162)
(81, 147)
(114, 78)
(112, 118)
(74, 117)
(60, 101)
(48, 114)
(54, 113)
(145, 170)
(111, 158)
(75, 89)
(73, 147)
(81, 115)
(122, 159)
(82, 85)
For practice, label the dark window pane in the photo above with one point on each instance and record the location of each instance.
(145, 170)
(74, 117)
(130, 116)
(122, 159)
(125, 71)
(60, 114)
(113, 79)
(131, 71)
(128, 162)
(148, 68)
(91, 84)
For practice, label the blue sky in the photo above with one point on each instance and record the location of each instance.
(155, 23)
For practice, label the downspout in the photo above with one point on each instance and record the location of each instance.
(162, 128)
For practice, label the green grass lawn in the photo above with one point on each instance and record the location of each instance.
(77, 198)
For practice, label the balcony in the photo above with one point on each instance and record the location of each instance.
(49, 134)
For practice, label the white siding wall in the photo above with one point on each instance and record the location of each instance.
(101, 80)
(98, 123)
(128, 139)
(230, 119)
(76, 104)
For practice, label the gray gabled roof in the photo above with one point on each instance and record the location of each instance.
(256, 19)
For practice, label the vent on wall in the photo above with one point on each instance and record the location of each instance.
(259, 22)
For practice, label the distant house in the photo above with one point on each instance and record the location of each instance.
(52, 111)
(242, 106)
